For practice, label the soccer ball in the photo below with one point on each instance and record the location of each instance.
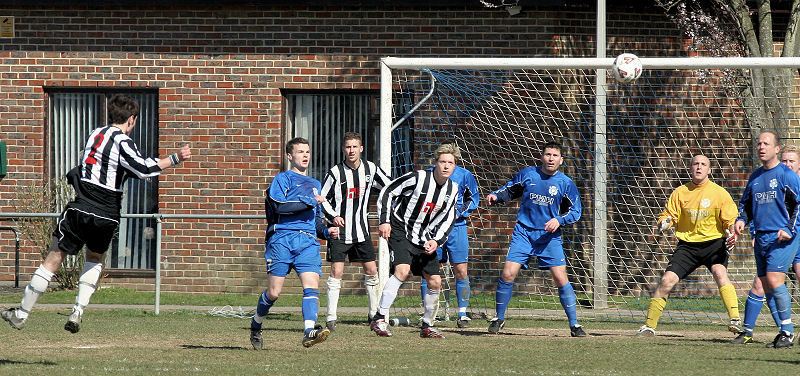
(627, 68)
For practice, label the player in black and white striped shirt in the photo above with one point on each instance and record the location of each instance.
(346, 188)
(92, 218)
(416, 212)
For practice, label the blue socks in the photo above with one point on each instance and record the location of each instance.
(502, 297)
(262, 309)
(568, 300)
(423, 287)
(310, 308)
(462, 294)
(783, 303)
(773, 309)
(752, 307)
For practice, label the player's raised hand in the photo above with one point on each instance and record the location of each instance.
(491, 199)
(338, 221)
(333, 232)
(430, 246)
(184, 153)
(384, 230)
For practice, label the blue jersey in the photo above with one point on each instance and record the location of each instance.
(468, 196)
(290, 205)
(543, 197)
(770, 201)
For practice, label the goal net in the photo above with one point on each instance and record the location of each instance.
(627, 147)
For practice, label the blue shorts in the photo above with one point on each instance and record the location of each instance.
(456, 248)
(292, 249)
(796, 244)
(772, 256)
(545, 246)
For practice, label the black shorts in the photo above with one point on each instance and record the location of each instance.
(338, 250)
(402, 251)
(689, 256)
(76, 227)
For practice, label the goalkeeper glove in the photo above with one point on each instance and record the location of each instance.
(730, 241)
(664, 225)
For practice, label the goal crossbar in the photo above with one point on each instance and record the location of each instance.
(589, 63)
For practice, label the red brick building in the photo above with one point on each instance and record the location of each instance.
(235, 81)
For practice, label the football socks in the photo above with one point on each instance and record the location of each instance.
(728, 294)
(752, 307)
(87, 285)
(334, 285)
(502, 297)
(654, 312)
(38, 285)
(462, 295)
(566, 294)
(310, 308)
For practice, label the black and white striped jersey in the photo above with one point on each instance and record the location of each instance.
(109, 158)
(426, 209)
(346, 192)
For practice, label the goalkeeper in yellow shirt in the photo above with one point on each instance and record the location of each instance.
(702, 213)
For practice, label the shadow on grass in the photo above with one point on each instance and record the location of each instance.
(193, 347)
(475, 333)
(4, 362)
(266, 328)
(789, 362)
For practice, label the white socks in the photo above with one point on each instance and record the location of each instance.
(389, 294)
(431, 303)
(334, 285)
(38, 285)
(371, 284)
(87, 285)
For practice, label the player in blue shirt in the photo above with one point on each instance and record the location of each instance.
(549, 200)
(294, 219)
(790, 156)
(456, 249)
(770, 205)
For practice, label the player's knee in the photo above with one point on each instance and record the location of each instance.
(94, 256)
(434, 282)
(401, 274)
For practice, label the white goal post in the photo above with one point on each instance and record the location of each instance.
(463, 70)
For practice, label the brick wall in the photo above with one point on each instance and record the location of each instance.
(219, 74)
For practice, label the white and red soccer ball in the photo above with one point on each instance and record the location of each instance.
(627, 67)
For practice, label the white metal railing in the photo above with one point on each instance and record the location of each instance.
(159, 219)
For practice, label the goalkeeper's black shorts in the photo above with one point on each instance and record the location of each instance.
(690, 255)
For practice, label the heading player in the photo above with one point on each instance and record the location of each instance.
(346, 188)
(701, 212)
(294, 223)
(549, 200)
(790, 156)
(416, 212)
(770, 205)
(110, 157)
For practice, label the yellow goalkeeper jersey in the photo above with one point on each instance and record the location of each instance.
(700, 212)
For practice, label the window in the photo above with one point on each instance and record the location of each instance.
(73, 114)
(323, 117)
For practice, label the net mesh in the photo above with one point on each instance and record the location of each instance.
(500, 120)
